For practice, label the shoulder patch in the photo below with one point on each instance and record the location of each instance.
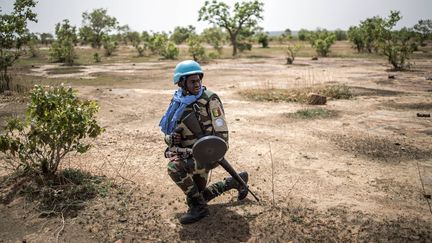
(217, 116)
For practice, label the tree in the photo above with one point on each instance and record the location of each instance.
(372, 28)
(56, 123)
(85, 35)
(62, 49)
(97, 24)
(46, 38)
(32, 45)
(302, 34)
(13, 37)
(215, 37)
(244, 17)
(122, 33)
(396, 45)
(424, 30)
(340, 35)
(133, 37)
(181, 34)
(356, 36)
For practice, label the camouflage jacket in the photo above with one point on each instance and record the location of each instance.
(211, 118)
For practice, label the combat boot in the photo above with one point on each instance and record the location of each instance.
(197, 210)
(231, 183)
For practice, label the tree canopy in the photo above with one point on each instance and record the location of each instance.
(95, 25)
(13, 36)
(244, 17)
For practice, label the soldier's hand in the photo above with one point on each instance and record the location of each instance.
(176, 138)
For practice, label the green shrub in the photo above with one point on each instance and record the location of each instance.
(140, 48)
(109, 45)
(97, 57)
(56, 123)
(171, 51)
(263, 39)
(322, 40)
(196, 50)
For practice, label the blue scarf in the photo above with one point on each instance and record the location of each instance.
(176, 109)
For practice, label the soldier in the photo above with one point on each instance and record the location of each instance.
(189, 175)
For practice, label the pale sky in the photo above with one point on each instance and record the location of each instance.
(164, 15)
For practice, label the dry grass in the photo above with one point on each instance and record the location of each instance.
(312, 113)
(379, 148)
(296, 95)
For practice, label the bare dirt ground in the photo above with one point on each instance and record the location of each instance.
(362, 175)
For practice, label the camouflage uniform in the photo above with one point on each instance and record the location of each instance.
(185, 172)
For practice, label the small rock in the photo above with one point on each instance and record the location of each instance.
(391, 76)
(237, 119)
(122, 220)
(316, 99)
(110, 89)
(133, 64)
(428, 78)
(314, 58)
(121, 97)
(423, 115)
(111, 110)
(428, 196)
(397, 144)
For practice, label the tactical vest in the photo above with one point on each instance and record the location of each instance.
(204, 117)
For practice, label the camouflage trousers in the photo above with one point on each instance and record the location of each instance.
(192, 180)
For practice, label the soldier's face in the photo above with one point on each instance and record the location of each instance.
(193, 84)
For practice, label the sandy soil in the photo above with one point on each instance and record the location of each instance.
(363, 175)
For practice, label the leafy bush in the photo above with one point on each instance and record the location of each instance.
(196, 50)
(355, 35)
(215, 37)
(171, 51)
(181, 34)
(263, 39)
(341, 35)
(140, 49)
(157, 43)
(97, 57)
(109, 45)
(322, 40)
(56, 123)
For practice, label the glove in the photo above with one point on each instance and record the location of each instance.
(175, 138)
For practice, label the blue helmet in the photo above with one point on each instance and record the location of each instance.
(186, 68)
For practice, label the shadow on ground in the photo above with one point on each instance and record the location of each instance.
(222, 225)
